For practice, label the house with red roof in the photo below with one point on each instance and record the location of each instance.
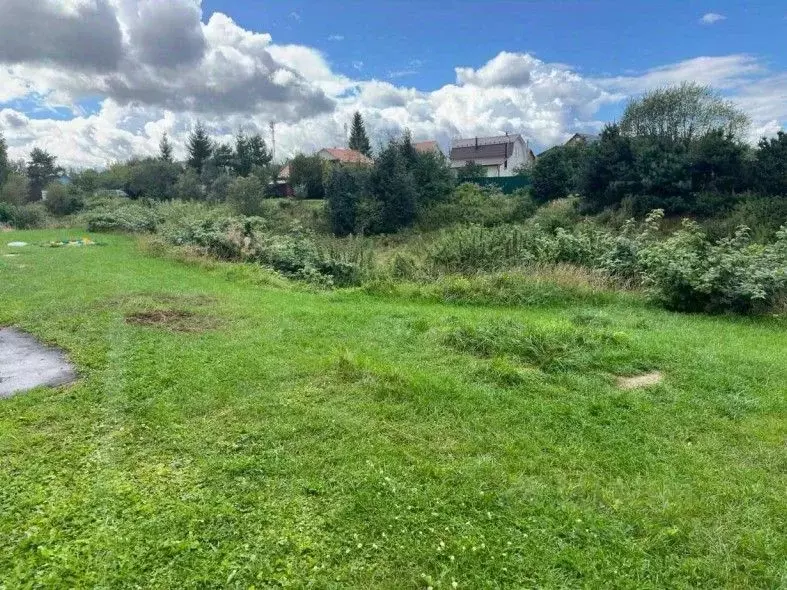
(345, 156)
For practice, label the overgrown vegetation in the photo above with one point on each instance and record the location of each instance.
(676, 152)
(231, 428)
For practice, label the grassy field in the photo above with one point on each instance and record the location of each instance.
(233, 430)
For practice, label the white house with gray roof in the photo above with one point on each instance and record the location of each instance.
(500, 155)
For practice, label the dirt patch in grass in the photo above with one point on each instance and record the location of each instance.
(176, 320)
(639, 381)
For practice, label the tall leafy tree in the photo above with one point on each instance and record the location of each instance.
(682, 113)
(199, 146)
(152, 178)
(359, 141)
(165, 148)
(41, 170)
(306, 174)
(551, 175)
(250, 152)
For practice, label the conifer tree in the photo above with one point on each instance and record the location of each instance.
(359, 141)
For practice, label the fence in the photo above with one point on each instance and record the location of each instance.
(507, 184)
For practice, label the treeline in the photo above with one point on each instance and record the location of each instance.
(680, 149)
(212, 171)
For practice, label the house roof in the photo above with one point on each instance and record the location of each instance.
(498, 147)
(347, 156)
(284, 173)
(584, 137)
(427, 146)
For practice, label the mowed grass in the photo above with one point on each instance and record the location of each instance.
(248, 432)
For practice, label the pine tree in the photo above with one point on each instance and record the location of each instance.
(200, 147)
(165, 148)
(359, 141)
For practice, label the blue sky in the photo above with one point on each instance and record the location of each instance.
(121, 73)
(419, 42)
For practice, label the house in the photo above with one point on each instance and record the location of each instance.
(501, 155)
(582, 139)
(428, 147)
(345, 156)
(281, 186)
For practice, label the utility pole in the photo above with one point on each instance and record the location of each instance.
(273, 140)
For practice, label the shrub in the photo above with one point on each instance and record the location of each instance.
(688, 272)
(23, 216)
(15, 190)
(470, 203)
(62, 200)
(119, 215)
(188, 186)
(245, 195)
(764, 215)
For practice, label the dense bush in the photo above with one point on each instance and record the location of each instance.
(764, 215)
(245, 195)
(15, 190)
(62, 200)
(120, 215)
(688, 272)
(22, 216)
(472, 204)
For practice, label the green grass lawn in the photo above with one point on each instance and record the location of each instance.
(270, 436)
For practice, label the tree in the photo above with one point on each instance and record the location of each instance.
(682, 113)
(245, 195)
(250, 152)
(152, 178)
(342, 193)
(551, 176)
(771, 165)
(41, 170)
(61, 199)
(433, 178)
(359, 141)
(609, 174)
(15, 190)
(188, 186)
(306, 175)
(223, 157)
(393, 186)
(5, 168)
(718, 163)
(199, 146)
(165, 148)
(470, 171)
